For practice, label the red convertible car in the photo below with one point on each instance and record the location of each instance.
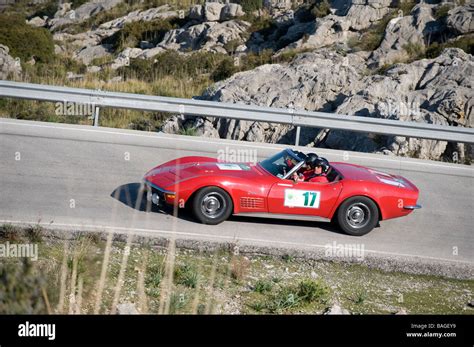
(354, 197)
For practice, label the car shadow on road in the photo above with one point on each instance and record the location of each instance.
(133, 195)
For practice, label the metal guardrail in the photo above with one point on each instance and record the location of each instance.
(203, 108)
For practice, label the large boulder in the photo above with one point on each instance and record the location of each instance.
(346, 19)
(161, 12)
(460, 19)
(230, 11)
(8, 65)
(212, 11)
(123, 59)
(37, 21)
(65, 15)
(89, 53)
(404, 31)
(210, 36)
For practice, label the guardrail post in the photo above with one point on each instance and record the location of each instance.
(96, 116)
(297, 140)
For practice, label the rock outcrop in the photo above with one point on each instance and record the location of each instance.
(8, 65)
(460, 19)
(437, 91)
(210, 36)
(65, 15)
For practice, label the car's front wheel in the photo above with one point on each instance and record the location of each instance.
(212, 205)
(357, 215)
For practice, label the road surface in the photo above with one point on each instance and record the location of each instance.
(80, 177)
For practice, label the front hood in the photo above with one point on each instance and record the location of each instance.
(361, 173)
(173, 172)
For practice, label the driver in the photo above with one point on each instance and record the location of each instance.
(317, 169)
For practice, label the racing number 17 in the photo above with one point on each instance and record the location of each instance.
(307, 196)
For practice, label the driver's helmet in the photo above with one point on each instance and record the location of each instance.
(311, 159)
(323, 162)
(300, 155)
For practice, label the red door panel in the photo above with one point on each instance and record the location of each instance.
(303, 198)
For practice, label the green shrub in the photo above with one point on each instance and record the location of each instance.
(466, 43)
(21, 288)
(48, 9)
(177, 302)
(442, 11)
(263, 286)
(251, 5)
(26, 41)
(305, 292)
(224, 70)
(405, 6)
(176, 65)
(359, 296)
(132, 33)
(310, 291)
(371, 38)
(415, 51)
(10, 232)
(186, 275)
(35, 233)
(321, 9)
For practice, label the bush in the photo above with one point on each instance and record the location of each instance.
(466, 43)
(21, 288)
(305, 292)
(225, 69)
(186, 275)
(132, 33)
(406, 6)
(263, 286)
(10, 232)
(414, 50)
(171, 63)
(35, 233)
(25, 41)
(321, 9)
(251, 5)
(48, 10)
(441, 12)
(372, 37)
(310, 291)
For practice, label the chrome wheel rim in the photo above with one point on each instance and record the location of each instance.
(358, 215)
(213, 205)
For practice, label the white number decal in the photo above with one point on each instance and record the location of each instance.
(302, 198)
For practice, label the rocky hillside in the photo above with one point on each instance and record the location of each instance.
(394, 59)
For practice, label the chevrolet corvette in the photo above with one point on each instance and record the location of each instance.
(353, 197)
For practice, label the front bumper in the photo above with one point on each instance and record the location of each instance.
(412, 207)
(158, 195)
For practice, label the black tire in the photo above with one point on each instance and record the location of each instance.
(212, 205)
(357, 215)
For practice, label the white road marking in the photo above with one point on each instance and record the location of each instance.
(224, 237)
(252, 145)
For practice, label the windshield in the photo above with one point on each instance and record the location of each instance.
(281, 163)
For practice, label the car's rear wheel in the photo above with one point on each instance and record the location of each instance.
(357, 215)
(212, 205)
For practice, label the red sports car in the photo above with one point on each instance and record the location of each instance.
(354, 197)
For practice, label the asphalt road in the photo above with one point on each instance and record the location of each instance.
(79, 177)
